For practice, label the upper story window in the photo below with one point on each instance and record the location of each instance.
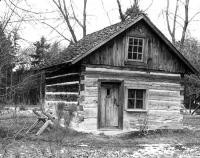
(135, 48)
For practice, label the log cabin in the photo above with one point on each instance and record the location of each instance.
(124, 77)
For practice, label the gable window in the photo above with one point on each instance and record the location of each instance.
(135, 48)
(136, 98)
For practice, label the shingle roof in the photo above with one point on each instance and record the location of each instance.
(91, 42)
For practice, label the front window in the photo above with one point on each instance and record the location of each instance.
(135, 48)
(136, 99)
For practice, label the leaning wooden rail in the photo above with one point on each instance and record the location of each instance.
(41, 116)
(196, 109)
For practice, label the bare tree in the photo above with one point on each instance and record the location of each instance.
(178, 19)
(62, 7)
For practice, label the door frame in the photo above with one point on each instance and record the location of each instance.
(121, 101)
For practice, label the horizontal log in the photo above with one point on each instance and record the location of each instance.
(65, 83)
(62, 79)
(61, 93)
(164, 115)
(90, 69)
(165, 74)
(90, 82)
(91, 91)
(166, 86)
(59, 97)
(164, 118)
(93, 105)
(112, 73)
(63, 88)
(137, 85)
(90, 100)
(164, 93)
(164, 105)
(64, 75)
(61, 101)
(165, 98)
(61, 70)
(90, 112)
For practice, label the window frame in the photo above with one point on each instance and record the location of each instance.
(145, 99)
(135, 37)
(135, 98)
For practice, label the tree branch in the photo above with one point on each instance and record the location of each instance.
(185, 22)
(167, 19)
(174, 23)
(56, 31)
(84, 18)
(106, 12)
(74, 15)
(120, 11)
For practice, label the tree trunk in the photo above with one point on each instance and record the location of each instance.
(120, 11)
(84, 18)
(185, 22)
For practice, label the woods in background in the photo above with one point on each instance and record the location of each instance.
(21, 82)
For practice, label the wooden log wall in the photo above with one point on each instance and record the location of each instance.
(62, 87)
(164, 98)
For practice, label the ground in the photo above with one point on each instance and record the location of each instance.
(68, 143)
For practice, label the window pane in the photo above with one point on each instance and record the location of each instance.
(139, 56)
(135, 49)
(140, 42)
(140, 49)
(135, 41)
(108, 91)
(131, 41)
(131, 93)
(139, 104)
(134, 55)
(130, 49)
(131, 103)
(130, 56)
(139, 94)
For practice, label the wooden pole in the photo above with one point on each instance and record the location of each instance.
(42, 85)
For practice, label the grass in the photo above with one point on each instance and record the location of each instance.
(9, 127)
(12, 134)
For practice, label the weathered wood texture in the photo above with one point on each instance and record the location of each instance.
(163, 104)
(109, 105)
(191, 121)
(62, 87)
(157, 56)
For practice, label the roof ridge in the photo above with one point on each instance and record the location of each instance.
(129, 20)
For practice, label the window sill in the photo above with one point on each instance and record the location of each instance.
(136, 110)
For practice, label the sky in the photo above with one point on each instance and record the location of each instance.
(101, 13)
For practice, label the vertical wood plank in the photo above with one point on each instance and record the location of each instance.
(121, 104)
(99, 106)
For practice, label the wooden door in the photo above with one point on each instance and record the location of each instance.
(109, 108)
